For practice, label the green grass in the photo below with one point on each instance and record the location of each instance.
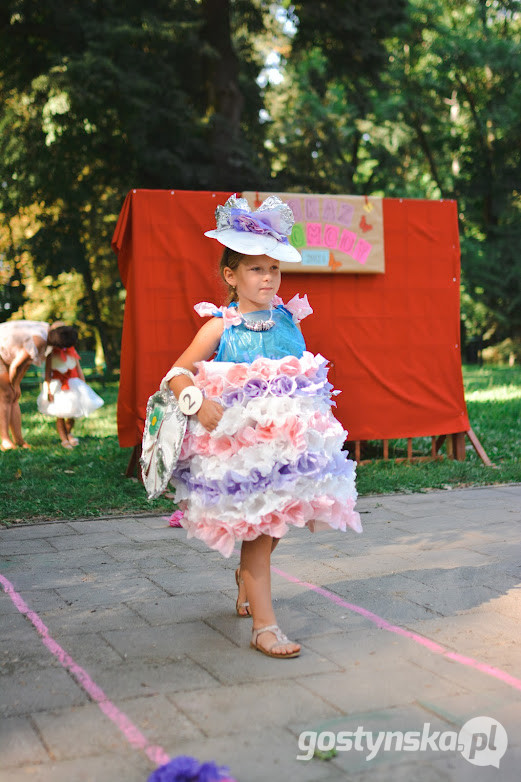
(49, 482)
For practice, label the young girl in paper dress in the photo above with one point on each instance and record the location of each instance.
(262, 451)
(65, 394)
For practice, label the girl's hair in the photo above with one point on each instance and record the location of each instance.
(62, 336)
(230, 259)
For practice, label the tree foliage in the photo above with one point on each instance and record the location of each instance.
(417, 98)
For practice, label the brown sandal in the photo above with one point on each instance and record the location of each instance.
(281, 639)
(238, 606)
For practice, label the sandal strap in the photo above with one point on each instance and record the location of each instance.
(277, 632)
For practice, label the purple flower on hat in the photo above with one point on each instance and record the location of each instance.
(282, 385)
(246, 221)
(255, 387)
(186, 769)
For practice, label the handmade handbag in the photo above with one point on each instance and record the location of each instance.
(163, 435)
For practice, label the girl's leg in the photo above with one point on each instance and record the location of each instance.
(255, 570)
(69, 424)
(62, 432)
(16, 425)
(6, 403)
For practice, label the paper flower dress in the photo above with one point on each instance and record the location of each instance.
(275, 459)
(73, 398)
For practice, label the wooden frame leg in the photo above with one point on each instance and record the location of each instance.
(458, 446)
(479, 448)
(133, 463)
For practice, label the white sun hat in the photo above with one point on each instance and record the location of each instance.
(262, 232)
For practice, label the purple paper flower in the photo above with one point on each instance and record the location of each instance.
(232, 483)
(308, 463)
(233, 396)
(186, 769)
(255, 387)
(282, 385)
(304, 385)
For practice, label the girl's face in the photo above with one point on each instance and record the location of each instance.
(257, 280)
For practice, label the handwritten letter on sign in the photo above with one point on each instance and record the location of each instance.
(333, 233)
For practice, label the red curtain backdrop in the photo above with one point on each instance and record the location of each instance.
(392, 339)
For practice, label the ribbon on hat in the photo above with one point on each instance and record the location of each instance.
(272, 218)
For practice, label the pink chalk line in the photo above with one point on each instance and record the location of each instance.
(133, 735)
(432, 646)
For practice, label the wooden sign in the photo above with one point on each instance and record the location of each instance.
(333, 233)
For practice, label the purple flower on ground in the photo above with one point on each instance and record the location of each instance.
(186, 769)
(255, 387)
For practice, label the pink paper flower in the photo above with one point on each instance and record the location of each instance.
(237, 375)
(299, 307)
(204, 309)
(263, 367)
(290, 366)
(231, 317)
(213, 386)
(175, 519)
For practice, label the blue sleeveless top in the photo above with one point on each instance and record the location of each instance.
(241, 345)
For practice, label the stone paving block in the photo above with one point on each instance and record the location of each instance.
(168, 641)
(42, 600)
(391, 686)
(31, 691)
(175, 581)
(86, 648)
(256, 756)
(20, 744)
(73, 620)
(101, 526)
(183, 608)
(500, 704)
(70, 558)
(95, 541)
(79, 732)
(249, 665)
(143, 678)
(119, 590)
(509, 605)
(221, 711)
(23, 646)
(134, 552)
(359, 757)
(101, 768)
(458, 768)
(159, 719)
(12, 546)
(31, 531)
(48, 579)
(470, 635)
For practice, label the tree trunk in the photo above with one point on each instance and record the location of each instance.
(225, 99)
(96, 316)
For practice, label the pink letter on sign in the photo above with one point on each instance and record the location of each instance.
(345, 214)
(312, 210)
(331, 235)
(314, 234)
(329, 209)
(361, 251)
(347, 242)
(296, 208)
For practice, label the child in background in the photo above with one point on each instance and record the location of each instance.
(65, 394)
(262, 450)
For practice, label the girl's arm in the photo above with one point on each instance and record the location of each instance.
(202, 348)
(46, 386)
(18, 366)
(79, 370)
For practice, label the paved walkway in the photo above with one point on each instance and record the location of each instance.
(416, 622)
